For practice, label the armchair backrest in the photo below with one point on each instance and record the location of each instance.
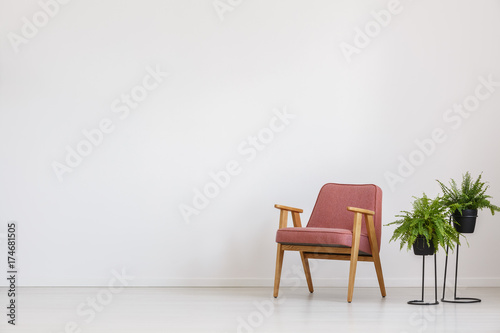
(330, 210)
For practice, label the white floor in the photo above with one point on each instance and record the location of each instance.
(81, 310)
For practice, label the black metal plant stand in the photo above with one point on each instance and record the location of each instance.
(421, 302)
(455, 298)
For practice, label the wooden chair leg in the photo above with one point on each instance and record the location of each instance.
(375, 253)
(354, 255)
(307, 271)
(380, 276)
(352, 276)
(277, 275)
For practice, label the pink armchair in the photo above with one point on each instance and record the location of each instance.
(345, 224)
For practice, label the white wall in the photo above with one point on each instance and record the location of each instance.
(354, 116)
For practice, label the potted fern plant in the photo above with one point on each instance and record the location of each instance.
(463, 202)
(425, 227)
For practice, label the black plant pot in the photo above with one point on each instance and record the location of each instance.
(466, 222)
(420, 247)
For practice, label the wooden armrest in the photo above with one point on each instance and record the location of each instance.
(370, 228)
(284, 216)
(291, 209)
(361, 210)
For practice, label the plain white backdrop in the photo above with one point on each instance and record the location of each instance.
(360, 93)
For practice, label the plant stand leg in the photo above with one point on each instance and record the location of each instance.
(421, 302)
(455, 298)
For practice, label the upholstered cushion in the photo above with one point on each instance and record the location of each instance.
(330, 210)
(321, 236)
(331, 223)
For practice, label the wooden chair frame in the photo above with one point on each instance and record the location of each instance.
(334, 253)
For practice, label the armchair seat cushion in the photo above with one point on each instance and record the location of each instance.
(321, 237)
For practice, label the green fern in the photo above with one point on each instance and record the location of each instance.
(470, 195)
(429, 218)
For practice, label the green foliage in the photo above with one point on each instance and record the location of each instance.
(429, 218)
(470, 195)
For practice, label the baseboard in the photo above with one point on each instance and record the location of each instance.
(285, 282)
